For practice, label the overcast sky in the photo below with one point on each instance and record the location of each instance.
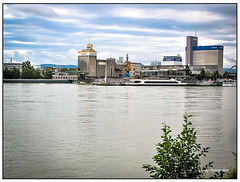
(53, 33)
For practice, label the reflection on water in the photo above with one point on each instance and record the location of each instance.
(77, 131)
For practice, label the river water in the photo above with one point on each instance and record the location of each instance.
(79, 131)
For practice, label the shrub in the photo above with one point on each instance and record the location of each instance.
(178, 158)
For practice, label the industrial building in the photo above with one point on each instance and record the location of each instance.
(87, 61)
(92, 67)
(208, 57)
(135, 71)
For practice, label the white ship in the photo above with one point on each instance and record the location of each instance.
(171, 82)
(229, 83)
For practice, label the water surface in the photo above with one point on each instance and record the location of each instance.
(78, 131)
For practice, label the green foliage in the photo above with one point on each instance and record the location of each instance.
(203, 74)
(48, 74)
(188, 71)
(216, 75)
(178, 158)
(208, 74)
(13, 73)
(63, 69)
(73, 69)
(28, 72)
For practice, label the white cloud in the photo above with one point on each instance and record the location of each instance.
(42, 57)
(228, 63)
(73, 12)
(168, 14)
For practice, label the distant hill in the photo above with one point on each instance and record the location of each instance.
(232, 70)
(57, 65)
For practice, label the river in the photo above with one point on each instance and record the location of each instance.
(80, 131)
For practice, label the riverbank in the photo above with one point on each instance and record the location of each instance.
(35, 81)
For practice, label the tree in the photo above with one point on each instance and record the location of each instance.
(188, 71)
(208, 75)
(178, 158)
(6, 73)
(216, 75)
(37, 74)
(48, 74)
(28, 72)
(13, 73)
(202, 73)
(63, 69)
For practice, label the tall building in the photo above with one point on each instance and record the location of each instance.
(210, 58)
(87, 61)
(191, 42)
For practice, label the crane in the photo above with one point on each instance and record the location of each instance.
(128, 67)
(228, 71)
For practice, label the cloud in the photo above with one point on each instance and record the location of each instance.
(63, 57)
(71, 12)
(228, 62)
(52, 33)
(190, 16)
(33, 9)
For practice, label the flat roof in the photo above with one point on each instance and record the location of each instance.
(210, 47)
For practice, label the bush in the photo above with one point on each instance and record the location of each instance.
(178, 158)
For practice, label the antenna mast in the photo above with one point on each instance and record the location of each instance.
(195, 32)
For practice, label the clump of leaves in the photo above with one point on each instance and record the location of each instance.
(178, 158)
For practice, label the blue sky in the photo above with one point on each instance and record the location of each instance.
(53, 33)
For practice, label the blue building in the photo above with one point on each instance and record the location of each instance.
(172, 60)
(210, 57)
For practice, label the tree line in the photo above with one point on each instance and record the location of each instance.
(28, 72)
(204, 74)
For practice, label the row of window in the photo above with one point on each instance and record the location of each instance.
(60, 77)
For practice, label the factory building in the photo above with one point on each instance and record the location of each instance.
(172, 60)
(87, 61)
(208, 57)
(92, 67)
(135, 71)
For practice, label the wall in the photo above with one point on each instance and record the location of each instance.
(209, 57)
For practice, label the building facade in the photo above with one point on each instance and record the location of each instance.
(208, 57)
(172, 60)
(87, 61)
(66, 76)
(13, 65)
(191, 42)
(164, 72)
(135, 69)
(92, 67)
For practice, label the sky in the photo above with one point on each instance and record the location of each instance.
(54, 33)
